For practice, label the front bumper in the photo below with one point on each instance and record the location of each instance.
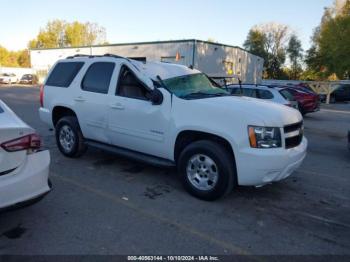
(28, 182)
(256, 167)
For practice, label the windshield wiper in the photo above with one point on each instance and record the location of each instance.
(202, 94)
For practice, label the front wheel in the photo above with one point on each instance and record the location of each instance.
(207, 170)
(69, 139)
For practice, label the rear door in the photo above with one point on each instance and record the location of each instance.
(90, 100)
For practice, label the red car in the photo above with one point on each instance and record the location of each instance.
(308, 101)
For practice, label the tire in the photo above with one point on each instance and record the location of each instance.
(214, 157)
(69, 139)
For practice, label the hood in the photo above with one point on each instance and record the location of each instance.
(270, 113)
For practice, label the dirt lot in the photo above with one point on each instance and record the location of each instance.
(103, 204)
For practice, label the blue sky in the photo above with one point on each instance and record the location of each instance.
(227, 21)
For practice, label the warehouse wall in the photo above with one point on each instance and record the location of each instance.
(153, 52)
(213, 59)
(224, 61)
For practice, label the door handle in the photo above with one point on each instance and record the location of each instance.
(80, 99)
(118, 106)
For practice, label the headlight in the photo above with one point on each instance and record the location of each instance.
(264, 137)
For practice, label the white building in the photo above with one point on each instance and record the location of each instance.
(214, 59)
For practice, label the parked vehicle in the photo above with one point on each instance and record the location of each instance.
(7, 78)
(29, 79)
(171, 115)
(307, 102)
(277, 95)
(340, 94)
(24, 167)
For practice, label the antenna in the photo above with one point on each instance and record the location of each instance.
(240, 85)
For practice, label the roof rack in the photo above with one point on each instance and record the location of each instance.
(115, 56)
(105, 55)
(79, 55)
(93, 56)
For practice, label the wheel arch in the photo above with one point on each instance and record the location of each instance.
(186, 137)
(61, 111)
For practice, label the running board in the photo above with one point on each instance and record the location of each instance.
(140, 157)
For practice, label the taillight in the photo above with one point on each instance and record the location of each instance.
(29, 142)
(42, 96)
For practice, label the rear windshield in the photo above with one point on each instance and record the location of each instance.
(64, 73)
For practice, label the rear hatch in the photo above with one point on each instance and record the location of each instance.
(11, 127)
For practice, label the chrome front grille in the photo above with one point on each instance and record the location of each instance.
(293, 134)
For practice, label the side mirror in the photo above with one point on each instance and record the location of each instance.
(156, 97)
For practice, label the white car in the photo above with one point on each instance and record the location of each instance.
(8, 78)
(278, 95)
(24, 168)
(171, 115)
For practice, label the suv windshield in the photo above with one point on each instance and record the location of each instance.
(194, 86)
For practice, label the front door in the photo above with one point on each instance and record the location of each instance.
(134, 122)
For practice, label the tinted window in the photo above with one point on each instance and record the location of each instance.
(249, 92)
(1, 110)
(343, 87)
(98, 77)
(235, 91)
(130, 86)
(64, 73)
(287, 95)
(265, 94)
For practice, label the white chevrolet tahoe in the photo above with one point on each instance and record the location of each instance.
(171, 115)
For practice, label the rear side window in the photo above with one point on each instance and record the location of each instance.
(265, 94)
(287, 95)
(1, 110)
(235, 91)
(249, 92)
(64, 73)
(98, 77)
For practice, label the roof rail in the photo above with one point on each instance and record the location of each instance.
(105, 55)
(80, 55)
(92, 56)
(115, 56)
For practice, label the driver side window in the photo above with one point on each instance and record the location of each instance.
(130, 86)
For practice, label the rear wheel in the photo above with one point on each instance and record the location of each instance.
(69, 139)
(207, 170)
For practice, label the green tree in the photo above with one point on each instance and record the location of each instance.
(255, 43)
(295, 53)
(269, 42)
(3, 56)
(330, 52)
(8, 58)
(78, 34)
(23, 59)
(51, 36)
(59, 33)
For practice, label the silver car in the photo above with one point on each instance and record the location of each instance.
(277, 94)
